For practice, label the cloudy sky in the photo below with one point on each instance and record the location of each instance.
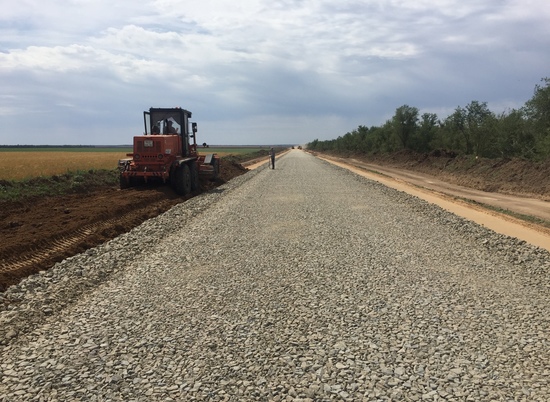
(259, 71)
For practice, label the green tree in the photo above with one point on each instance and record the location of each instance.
(425, 133)
(475, 125)
(537, 110)
(313, 144)
(405, 124)
(480, 126)
(458, 136)
(514, 138)
(473, 129)
(361, 135)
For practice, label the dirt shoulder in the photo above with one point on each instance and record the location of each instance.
(520, 214)
(40, 232)
(517, 177)
(526, 199)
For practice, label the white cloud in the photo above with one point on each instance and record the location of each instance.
(258, 64)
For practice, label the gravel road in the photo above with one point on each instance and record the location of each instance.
(306, 282)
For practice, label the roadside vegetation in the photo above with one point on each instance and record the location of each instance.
(68, 183)
(471, 130)
(254, 154)
(32, 172)
(228, 150)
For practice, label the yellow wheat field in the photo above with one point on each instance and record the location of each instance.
(24, 165)
(17, 165)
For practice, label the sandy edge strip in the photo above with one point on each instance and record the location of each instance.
(499, 223)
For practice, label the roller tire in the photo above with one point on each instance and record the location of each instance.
(125, 183)
(194, 176)
(216, 165)
(182, 180)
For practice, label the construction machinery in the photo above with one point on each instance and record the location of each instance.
(167, 151)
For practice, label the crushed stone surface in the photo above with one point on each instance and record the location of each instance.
(303, 283)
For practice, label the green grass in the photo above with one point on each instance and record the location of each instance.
(80, 182)
(230, 150)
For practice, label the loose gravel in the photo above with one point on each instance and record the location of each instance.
(303, 283)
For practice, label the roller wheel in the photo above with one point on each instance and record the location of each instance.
(194, 176)
(182, 180)
(125, 183)
(216, 165)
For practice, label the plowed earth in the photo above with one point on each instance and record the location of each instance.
(36, 234)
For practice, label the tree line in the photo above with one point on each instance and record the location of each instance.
(470, 130)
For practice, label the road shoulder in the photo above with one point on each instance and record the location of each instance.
(504, 224)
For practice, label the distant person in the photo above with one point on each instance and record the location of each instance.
(171, 129)
(168, 128)
(156, 129)
(272, 155)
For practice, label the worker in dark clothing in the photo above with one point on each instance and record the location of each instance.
(171, 129)
(272, 155)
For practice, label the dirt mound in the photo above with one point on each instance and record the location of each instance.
(507, 176)
(38, 233)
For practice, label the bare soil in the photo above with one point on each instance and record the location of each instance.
(40, 232)
(486, 183)
(507, 176)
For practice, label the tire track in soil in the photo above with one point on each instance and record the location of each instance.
(36, 234)
(41, 255)
(52, 250)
